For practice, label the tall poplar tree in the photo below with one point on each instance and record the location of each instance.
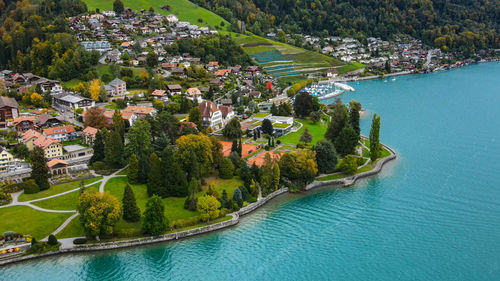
(131, 212)
(98, 148)
(114, 150)
(155, 181)
(174, 178)
(354, 108)
(133, 169)
(375, 149)
(39, 170)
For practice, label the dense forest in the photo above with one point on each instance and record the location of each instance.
(34, 37)
(464, 25)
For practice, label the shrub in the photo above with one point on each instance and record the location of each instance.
(11, 188)
(278, 142)
(52, 240)
(80, 241)
(349, 164)
(30, 187)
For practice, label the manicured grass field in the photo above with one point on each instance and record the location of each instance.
(228, 184)
(25, 220)
(73, 229)
(71, 83)
(65, 202)
(56, 189)
(317, 131)
(183, 9)
(332, 177)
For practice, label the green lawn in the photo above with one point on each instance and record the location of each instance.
(317, 131)
(71, 83)
(56, 189)
(228, 184)
(261, 115)
(332, 177)
(73, 229)
(183, 9)
(65, 202)
(350, 67)
(25, 220)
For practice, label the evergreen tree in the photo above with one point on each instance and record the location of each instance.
(118, 7)
(174, 178)
(155, 181)
(267, 127)
(303, 104)
(306, 137)
(194, 171)
(326, 157)
(39, 170)
(226, 169)
(274, 110)
(234, 146)
(131, 212)
(114, 150)
(195, 117)
(245, 175)
(347, 141)
(238, 196)
(224, 200)
(155, 222)
(232, 130)
(119, 124)
(339, 119)
(375, 149)
(354, 108)
(276, 176)
(139, 138)
(133, 169)
(98, 148)
(194, 187)
(240, 148)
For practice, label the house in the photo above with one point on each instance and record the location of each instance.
(172, 19)
(252, 69)
(114, 55)
(212, 66)
(109, 13)
(6, 159)
(71, 101)
(211, 116)
(160, 94)
(178, 71)
(24, 123)
(63, 133)
(52, 148)
(227, 113)
(140, 111)
(255, 94)
(75, 151)
(169, 65)
(45, 121)
(88, 135)
(194, 94)
(129, 117)
(222, 72)
(57, 167)
(174, 89)
(9, 109)
(116, 87)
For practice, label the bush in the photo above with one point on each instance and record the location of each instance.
(80, 241)
(30, 187)
(52, 240)
(349, 164)
(11, 188)
(278, 142)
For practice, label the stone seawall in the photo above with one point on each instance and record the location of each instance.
(252, 207)
(351, 180)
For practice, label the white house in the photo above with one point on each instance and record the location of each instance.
(172, 19)
(211, 116)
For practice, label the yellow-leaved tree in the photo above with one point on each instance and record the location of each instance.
(208, 206)
(98, 213)
(36, 99)
(95, 89)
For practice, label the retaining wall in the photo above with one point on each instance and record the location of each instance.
(251, 207)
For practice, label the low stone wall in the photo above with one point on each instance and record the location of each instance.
(351, 180)
(251, 207)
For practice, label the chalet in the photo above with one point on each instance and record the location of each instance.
(160, 94)
(9, 109)
(212, 66)
(45, 121)
(128, 117)
(172, 19)
(178, 71)
(24, 123)
(211, 116)
(174, 89)
(140, 111)
(194, 94)
(88, 135)
(63, 133)
(168, 66)
(114, 55)
(222, 72)
(252, 69)
(227, 113)
(71, 101)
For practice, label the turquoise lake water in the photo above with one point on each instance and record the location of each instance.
(433, 214)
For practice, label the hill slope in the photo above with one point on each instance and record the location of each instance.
(183, 9)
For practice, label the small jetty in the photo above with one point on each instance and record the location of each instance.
(327, 89)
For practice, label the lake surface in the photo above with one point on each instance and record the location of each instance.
(433, 214)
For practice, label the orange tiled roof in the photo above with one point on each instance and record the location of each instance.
(24, 118)
(44, 142)
(30, 134)
(90, 131)
(59, 130)
(193, 92)
(139, 109)
(56, 161)
(158, 93)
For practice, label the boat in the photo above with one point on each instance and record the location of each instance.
(327, 89)
(393, 79)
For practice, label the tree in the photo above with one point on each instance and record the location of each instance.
(224, 201)
(339, 119)
(349, 164)
(306, 137)
(118, 7)
(276, 176)
(326, 157)
(155, 181)
(245, 174)
(114, 150)
(95, 89)
(208, 206)
(226, 169)
(119, 124)
(267, 127)
(191, 200)
(303, 104)
(174, 178)
(94, 118)
(152, 59)
(155, 222)
(267, 175)
(52, 240)
(98, 213)
(131, 212)
(354, 108)
(198, 146)
(39, 170)
(315, 116)
(98, 148)
(216, 151)
(299, 167)
(133, 169)
(375, 149)
(346, 141)
(139, 137)
(232, 130)
(237, 196)
(274, 110)
(195, 117)
(281, 36)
